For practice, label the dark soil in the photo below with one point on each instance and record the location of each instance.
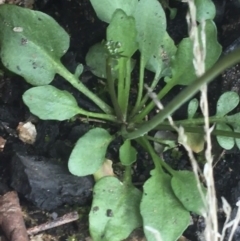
(55, 140)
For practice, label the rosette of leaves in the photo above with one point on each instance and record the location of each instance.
(27, 50)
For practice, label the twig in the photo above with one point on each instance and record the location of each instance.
(67, 218)
(11, 220)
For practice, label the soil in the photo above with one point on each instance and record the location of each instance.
(55, 140)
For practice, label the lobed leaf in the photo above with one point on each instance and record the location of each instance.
(225, 142)
(115, 210)
(122, 29)
(233, 119)
(32, 43)
(183, 72)
(50, 103)
(89, 152)
(227, 102)
(237, 129)
(161, 210)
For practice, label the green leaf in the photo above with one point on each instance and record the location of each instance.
(173, 12)
(160, 61)
(79, 70)
(151, 27)
(194, 140)
(96, 60)
(115, 210)
(127, 153)
(122, 29)
(165, 140)
(155, 63)
(237, 140)
(161, 210)
(192, 108)
(227, 102)
(106, 169)
(225, 142)
(183, 72)
(32, 43)
(89, 152)
(165, 5)
(205, 10)
(50, 103)
(105, 8)
(233, 119)
(184, 185)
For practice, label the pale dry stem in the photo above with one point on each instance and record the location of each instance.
(199, 52)
(210, 215)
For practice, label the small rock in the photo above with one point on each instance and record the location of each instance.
(48, 184)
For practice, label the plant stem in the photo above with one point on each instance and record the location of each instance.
(156, 79)
(121, 79)
(140, 85)
(126, 89)
(158, 162)
(98, 115)
(74, 81)
(200, 121)
(226, 62)
(111, 89)
(151, 105)
(127, 178)
(198, 129)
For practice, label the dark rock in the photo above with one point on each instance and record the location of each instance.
(48, 184)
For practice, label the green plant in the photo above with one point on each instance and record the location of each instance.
(32, 44)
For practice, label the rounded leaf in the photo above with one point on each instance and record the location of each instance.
(151, 27)
(205, 10)
(161, 210)
(96, 60)
(183, 72)
(114, 205)
(50, 103)
(184, 185)
(227, 102)
(195, 141)
(127, 153)
(225, 142)
(89, 152)
(32, 43)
